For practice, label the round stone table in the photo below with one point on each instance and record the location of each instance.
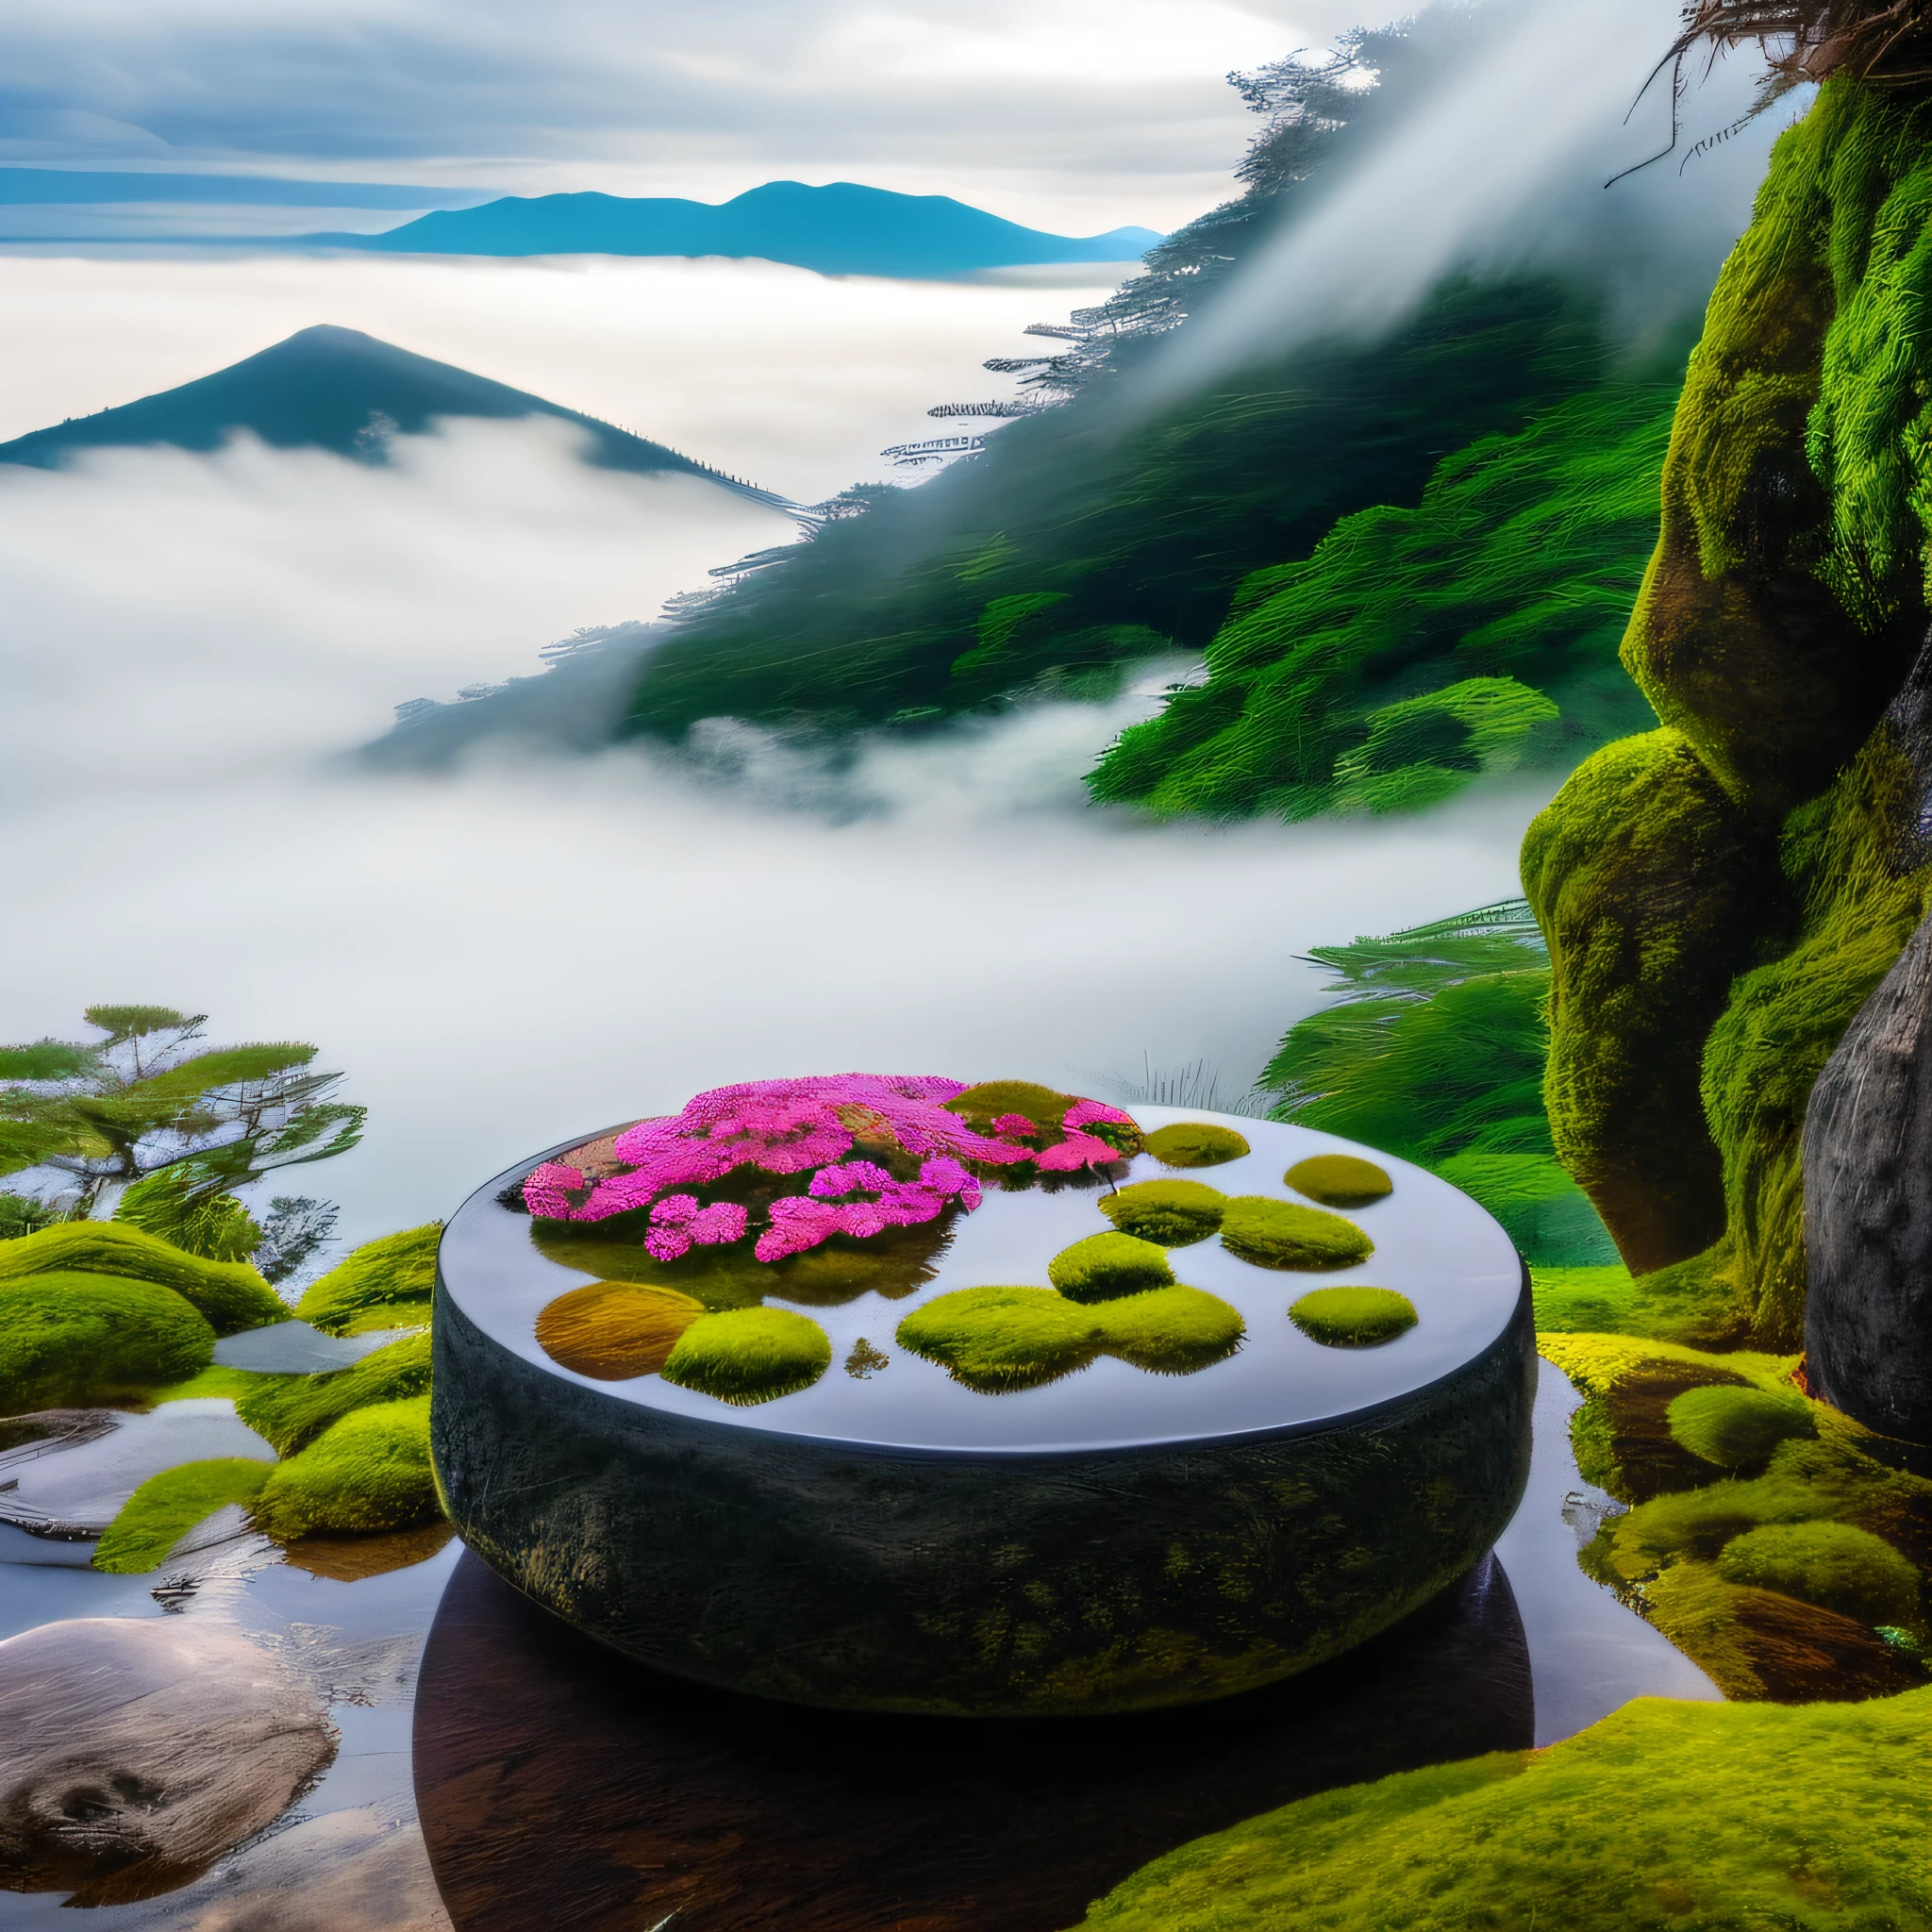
(889, 1539)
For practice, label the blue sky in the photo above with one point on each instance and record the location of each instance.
(1066, 114)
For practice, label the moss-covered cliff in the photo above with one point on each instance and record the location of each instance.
(1722, 895)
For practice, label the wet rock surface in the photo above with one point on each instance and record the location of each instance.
(138, 1751)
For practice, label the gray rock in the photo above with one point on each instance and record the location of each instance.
(138, 1751)
(1868, 1208)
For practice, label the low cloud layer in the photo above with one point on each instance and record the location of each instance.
(528, 949)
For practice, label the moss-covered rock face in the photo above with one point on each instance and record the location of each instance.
(1106, 1265)
(1171, 1214)
(69, 1340)
(1738, 1428)
(1340, 1180)
(371, 1470)
(383, 1284)
(1836, 1566)
(995, 1339)
(165, 1508)
(291, 1411)
(614, 1330)
(1353, 1317)
(1278, 1234)
(1195, 1143)
(229, 1297)
(748, 1356)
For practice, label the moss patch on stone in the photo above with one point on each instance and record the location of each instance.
(371, 1470)
(1836, 1566)
(383, 1284)
(748, 1356)
(1340, 1180)
(998, 1339)
(165, 1508)
(1045, 1107)
(1279, 1234)
(615, 1330)
(1738, 1428)
(1665, 1814)
(291, 1411)
(229, 1297)
(1171, 1214)
(1353, 1317)
(72, 1340)
(1105, 1266)
(1195, 1143)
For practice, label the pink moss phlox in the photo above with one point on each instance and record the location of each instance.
(782, 1127)
(547, 1188)
(854, 1177)
(1016, 1126)
(1085, 1113)
(1077, 1150)
(798, 1222)
(946, 1176)
(679, 1223)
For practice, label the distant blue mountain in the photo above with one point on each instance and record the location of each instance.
(340, 389)
(842, 229)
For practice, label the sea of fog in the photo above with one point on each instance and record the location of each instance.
(530, 948)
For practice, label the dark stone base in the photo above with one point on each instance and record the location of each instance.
(968, 1584)
(559, 1785)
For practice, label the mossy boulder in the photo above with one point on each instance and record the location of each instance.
(1106, 1265)
(1836, 1566)
(615, 1330)
(1280, 1234)
(165, 1508)
(997, 1339)
(370, 1470)
(291, 1411)
(383, 1284)
(230, 1296)
(1738, 1427)
(1353, 1317)
(1723, 1818)
(748, 1356)
(1195, 1143)
(72, 1340)
(1340, 1180)
(1171, 1214)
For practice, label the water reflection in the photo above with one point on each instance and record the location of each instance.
(560, 1784)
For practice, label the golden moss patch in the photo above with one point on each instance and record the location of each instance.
(1340, 1180)
(748, 1356)
(615, 1330)
(1195, 1143)
(1279, 1234)
(1735, 1429)
(1353, 1317)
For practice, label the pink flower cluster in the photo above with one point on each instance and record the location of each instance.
(803, 1221)
(679, 1223)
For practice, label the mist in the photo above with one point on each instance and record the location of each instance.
(527, 949)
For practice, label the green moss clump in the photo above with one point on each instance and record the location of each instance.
(748, 1356)
(997, 1339)
(1171, 1214)
(984, 1104)
(1278, 1234)
(1340, 1180)
(1353, 1317)
(1195, 1143)
(371, 1470)
(291, 1411)
(229, 1297)
(615, 1330)
(72, 1340)
(167, 1505)
(1105, 1265)
(383, 1284)
(1705, 1816)
(1736, 1427)
(1836, 1565)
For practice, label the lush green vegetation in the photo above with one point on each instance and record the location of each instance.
(1353, 1317)
(1721, 1818)
(747, 1356)
(1171, 1214)
(1195, 1143)
(384, 1284)
(1737, 1428)
(291, 1411)
(1105, 1266)
(1340, 1180)
(165, 1508)
(370, 1470)
(72, 1340)
(228, 1295)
